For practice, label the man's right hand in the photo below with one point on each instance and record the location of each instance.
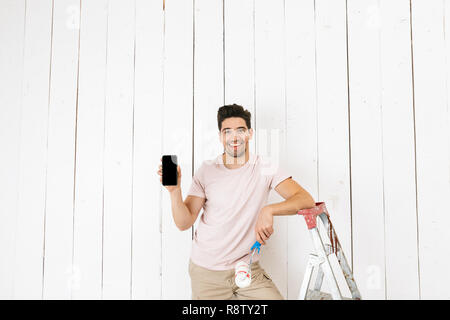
(171, 188)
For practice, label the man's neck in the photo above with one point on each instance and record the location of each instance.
(235, 163)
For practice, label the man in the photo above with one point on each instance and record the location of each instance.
(232, 190)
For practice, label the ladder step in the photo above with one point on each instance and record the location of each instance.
(320, 295)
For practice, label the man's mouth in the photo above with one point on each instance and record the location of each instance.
(235, 145)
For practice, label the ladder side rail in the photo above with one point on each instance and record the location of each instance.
(346, 270)
(326, 266)
(348, 275)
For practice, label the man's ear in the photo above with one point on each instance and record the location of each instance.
(250, 131)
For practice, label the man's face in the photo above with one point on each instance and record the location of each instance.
(235, 136)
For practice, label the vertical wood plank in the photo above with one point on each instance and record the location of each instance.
(301, 126)
(86, 282)
(402, 278)
(271, 121)
(28, 262)
(118, 150)
(332, 119)
(366, 148)
(12, 24)
(177, 139)
(447, 125)
(58, 272)
(208, 81)
(239, 55)
(148, 110)
(432, 144)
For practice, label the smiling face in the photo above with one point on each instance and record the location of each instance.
(235, 137)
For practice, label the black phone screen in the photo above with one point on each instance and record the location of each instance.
(169, 170)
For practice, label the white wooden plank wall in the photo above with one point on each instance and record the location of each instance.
(29, 251)
(348, 96)
(431, 85)
(12, 28)
(177, 133)
(270, 87)
(146, 257)
(61, 150)
(86, 278)
(333, 150)
(301, 126)
(397, 116)
(118, 147)
(239, 57)
(208, 81)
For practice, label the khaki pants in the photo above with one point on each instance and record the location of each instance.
(219, 285)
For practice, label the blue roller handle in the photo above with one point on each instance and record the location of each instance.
(256, 245)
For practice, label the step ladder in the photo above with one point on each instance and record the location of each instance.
(319, 261)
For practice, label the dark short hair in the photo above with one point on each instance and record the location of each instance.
(231, 111)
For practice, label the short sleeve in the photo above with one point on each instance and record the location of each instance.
(279, 176)
(197, 187)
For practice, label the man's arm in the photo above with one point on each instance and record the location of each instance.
(185, 213)
(296, 197)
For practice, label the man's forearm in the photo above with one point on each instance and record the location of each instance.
(291, 205)
(180, 212)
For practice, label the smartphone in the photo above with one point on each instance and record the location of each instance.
(169, 170)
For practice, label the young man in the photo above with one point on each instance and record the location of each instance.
(233, 189)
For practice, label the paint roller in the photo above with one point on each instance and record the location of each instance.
(242, 271)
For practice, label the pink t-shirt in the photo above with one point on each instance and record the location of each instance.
(234, 198)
